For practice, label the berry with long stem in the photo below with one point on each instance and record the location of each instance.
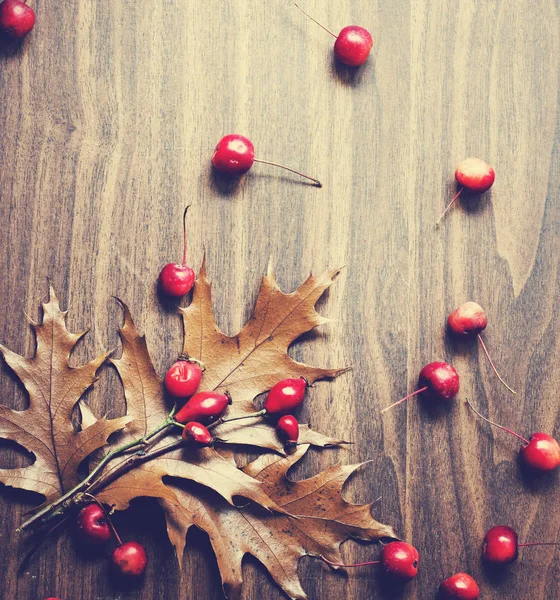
(352, 45)
(177, 279)
(437, 381)
(234, 155)
(501, 545)
(399, 560)
(541, 452)
(469, 320)
(473, 175)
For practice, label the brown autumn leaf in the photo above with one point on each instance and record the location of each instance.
(252, 361)
(45, 428)
(319, 520)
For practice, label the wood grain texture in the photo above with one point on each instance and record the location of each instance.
(108, 117)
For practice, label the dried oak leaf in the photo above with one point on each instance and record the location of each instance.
(45, 428)
(146, 406)
(319, 520)
(252, 361)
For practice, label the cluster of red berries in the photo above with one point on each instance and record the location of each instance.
(203, 410)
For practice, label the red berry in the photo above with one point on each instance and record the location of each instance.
(438, 381)
(177, 280)
(468, 319)
(234, 155)
(400, 560)
(183, 378)
(541, 453)
(288, 426)
(130, 559)
(92, 525)
(475, 175)
(352, 46)
(460, 586)
(441, 381)
(16, 18)
(500, 545)
(285, 396)
(197, 433)
(204, 407)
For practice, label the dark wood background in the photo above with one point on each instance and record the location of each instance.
(109, 113)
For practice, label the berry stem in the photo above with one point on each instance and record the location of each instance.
(496, 424)
(314, 20)
(184, 263)
(538, 544)
(492, 365)
(259, 413)
(450, 205)
(109, 520)
(267, 162)
(363, 564)
(406, 398)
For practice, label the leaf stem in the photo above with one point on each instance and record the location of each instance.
(86, 483)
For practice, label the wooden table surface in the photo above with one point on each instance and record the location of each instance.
(108, 117)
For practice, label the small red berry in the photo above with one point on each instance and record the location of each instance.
(460, 586)
(177, 280)
(542, 453)
(234, 155)
(92, 525)
(353, 45)
(204, 407)
(16, 18)
(440, 379)
(500, 545)
(288, 426)
(468, 319)
(198, 433)
(183, 378)
(400, 560)
(130, 559)
(285, 396)
(437, 381)
(475, 175)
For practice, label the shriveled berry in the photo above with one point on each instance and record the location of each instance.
(468, 319)
(183, 378)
